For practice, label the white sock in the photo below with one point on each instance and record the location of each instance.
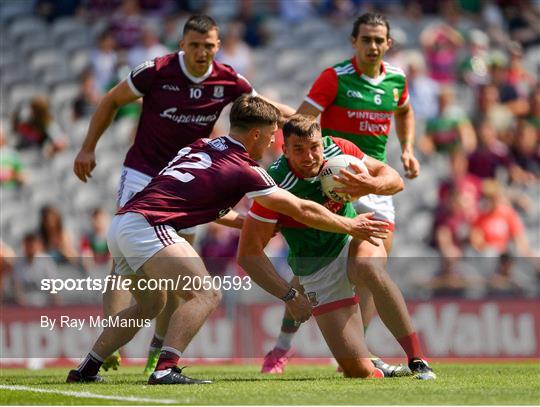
(284, 340)
(172, 350)
(96, 356)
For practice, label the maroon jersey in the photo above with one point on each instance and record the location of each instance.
(201, 184)
(178, 108)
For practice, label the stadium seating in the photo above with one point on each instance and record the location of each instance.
(56, 54)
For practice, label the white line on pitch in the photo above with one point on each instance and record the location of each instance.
(84, 394)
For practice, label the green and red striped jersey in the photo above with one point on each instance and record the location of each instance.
(357, 107)
(309, 249)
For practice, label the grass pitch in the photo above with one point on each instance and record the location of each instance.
(486, 384)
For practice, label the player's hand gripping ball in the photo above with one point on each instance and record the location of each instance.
(331, 168)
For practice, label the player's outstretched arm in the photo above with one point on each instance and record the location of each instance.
(285, 110)
(308, 109)
(117, 97)
(317, 216)
(251, 257)
(381, 179)
(232, 219)
(404, 117)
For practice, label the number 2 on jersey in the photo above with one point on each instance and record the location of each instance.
(173, 170)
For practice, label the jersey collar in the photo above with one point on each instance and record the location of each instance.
(196, 79)
(374, 81)
(300, 176)
(235, 142)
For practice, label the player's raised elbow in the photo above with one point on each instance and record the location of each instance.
(399, 185)
(391, 182)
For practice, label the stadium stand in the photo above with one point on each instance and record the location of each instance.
(40, 58)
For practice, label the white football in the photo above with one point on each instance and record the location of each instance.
(331, 168)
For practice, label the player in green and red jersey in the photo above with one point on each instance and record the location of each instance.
(356, 100)
(329, 266)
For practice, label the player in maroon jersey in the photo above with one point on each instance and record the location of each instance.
(183, 95)
(202, 183)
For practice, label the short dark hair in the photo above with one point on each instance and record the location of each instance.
(252, 111)
(200, 23)
(300, 125)
(370, 19)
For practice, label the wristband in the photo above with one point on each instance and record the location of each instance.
(290, 294)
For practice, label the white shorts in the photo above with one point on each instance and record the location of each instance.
(133, 181)
(382, 205)
(132, 241)
(329, 288)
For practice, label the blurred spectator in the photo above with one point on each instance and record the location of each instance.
(157, 8)
(508, 93)
(441, 43)
(453, 226)
(11, 168)
(36, 127)
(28, 272)
(148, 49)
(172, 30)
(218, 248)
(94, 250)
(452, 13)
(523, 22)
(337, 11)
(57, 242)
(491, 109)
(473, 68)
(450, 130)
(491, 154)
(50, 10)
(517, 75)
(97, 9)
(498, 225)
(127, 23)
(449, 281)
(88, 98)
(495, 23)
(502, 283)
(7, 260)
(103, 60)
(235, 52)
(467, 186)
(296, 11)
(423, 90)
(525, 153)
(398, 53)
(256, 33)
(534, 111)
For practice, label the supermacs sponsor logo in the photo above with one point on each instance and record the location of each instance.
(200, 119)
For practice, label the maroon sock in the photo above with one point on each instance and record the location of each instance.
(157, 342)
(90, 366)
(411, 346)
(167, 360)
